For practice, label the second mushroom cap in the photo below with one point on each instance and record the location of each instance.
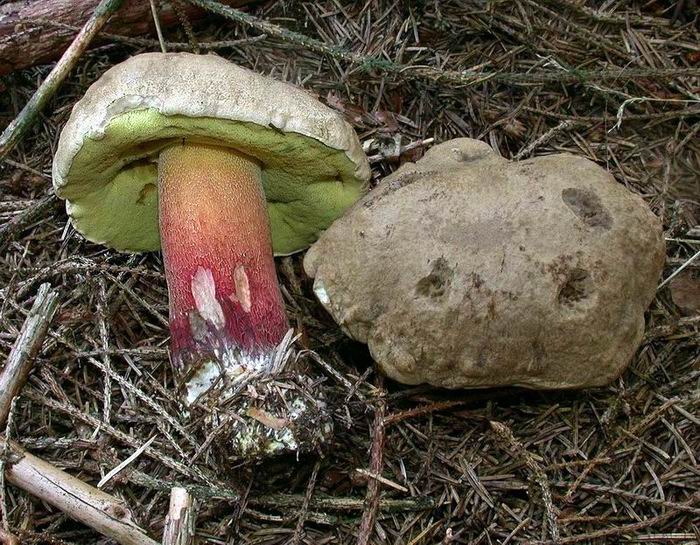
(469, 270)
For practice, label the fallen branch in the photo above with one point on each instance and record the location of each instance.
(319, 502)
(16, 130)
(36, 31)
(77, 499)
(31, 337)
(150, 43)
(507, 439)
(80, 501)
(376, 461)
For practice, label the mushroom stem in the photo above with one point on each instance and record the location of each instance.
(225, 304)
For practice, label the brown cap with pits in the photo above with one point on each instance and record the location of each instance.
(468, 270)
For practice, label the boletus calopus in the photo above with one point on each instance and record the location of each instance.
(469, 270)
(220, 168)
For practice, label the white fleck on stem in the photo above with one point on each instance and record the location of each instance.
(204, 293)
(234, 365)
(240, 280)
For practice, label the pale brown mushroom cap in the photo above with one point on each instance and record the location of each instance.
(468, 270)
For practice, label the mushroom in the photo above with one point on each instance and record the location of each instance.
(220, 168)
(468, 270)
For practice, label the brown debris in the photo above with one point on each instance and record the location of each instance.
(685, 291)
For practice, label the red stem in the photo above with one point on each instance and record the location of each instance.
(215, 237)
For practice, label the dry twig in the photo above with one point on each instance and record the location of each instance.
(18, 365)
(181, 520)
(539, 476)
(376, 458)
(80, 501)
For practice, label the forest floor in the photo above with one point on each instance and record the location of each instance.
(614, 84)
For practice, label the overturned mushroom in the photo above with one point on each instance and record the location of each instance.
(220, 167)
(468, 270)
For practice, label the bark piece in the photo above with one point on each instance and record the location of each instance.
(182, 517)
(468, 270)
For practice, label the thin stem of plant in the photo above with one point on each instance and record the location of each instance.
(156, 22)
(679, 270)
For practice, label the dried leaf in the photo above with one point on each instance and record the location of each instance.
(266, 419)
(685, 291)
